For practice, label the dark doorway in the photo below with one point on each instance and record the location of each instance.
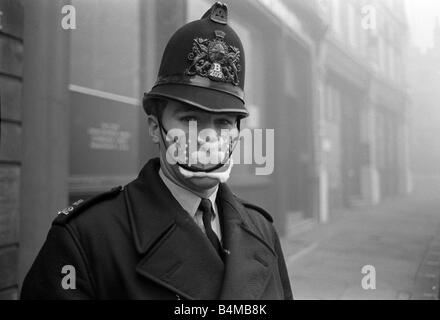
(351, 149)
(298, 159)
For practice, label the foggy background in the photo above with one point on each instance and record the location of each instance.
(351, 88)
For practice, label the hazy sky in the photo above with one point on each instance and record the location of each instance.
(422, 15)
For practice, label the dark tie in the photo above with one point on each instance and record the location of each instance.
(208, 213)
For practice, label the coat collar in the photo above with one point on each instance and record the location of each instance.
(175, 253)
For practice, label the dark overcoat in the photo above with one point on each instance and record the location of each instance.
(137, 242)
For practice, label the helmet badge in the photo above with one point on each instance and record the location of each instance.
(214, 59)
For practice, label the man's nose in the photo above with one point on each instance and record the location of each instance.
(208, 135)
(207, 126)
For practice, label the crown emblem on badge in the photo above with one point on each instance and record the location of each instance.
(214, 59)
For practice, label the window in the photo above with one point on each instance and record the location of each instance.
(332, 104)
(382, 55)
(96, 62)
(253, 85)
(353, 25)
(391, 62)
(104, 95)
(336, 17)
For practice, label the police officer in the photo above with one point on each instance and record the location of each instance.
(177, 231)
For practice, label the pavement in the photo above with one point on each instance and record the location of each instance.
(400, 238)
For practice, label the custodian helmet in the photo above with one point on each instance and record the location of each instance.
(204, 66)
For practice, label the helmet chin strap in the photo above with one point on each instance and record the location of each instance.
(190, 172)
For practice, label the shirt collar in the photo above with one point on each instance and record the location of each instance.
(188, 200)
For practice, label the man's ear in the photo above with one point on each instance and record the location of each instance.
(154, 128)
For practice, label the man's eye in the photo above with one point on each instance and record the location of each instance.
(224, 122)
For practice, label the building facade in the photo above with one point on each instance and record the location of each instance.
(11, 83)
(71, 101)
(425, 116)
(364, 103)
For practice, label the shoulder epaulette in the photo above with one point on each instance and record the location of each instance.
(81, 205)
(260, 210)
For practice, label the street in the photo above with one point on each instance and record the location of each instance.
(399, 238)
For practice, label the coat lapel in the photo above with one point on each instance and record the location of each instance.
(248, 266)
(174, 251)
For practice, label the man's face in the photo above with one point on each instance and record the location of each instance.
(180, 117)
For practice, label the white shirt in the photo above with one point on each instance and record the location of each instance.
(190, 202)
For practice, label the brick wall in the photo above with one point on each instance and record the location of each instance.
(11, 70)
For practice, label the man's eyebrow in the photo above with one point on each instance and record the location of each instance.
(225, 115)
(181, 108)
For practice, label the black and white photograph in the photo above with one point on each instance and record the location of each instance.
(242, 150)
